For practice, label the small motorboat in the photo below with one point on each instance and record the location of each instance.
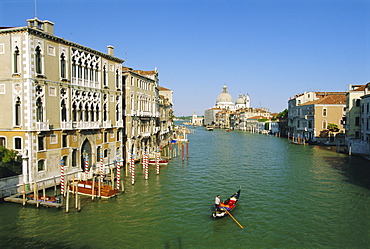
(162, 162)
(86, 188)
(45, 198)
(227, 206)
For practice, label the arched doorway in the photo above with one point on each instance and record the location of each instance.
(86, 154)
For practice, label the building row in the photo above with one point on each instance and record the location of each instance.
(66, 103)
(239, 115)
(326, 117)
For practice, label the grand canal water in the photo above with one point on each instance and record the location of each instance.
(292, 196)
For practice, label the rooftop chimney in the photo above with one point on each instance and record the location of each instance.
(110, 50)
(45, 26)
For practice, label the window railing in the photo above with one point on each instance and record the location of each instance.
(42, 126)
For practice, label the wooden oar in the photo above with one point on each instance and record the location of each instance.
(233, 218)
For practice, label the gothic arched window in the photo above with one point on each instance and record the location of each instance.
(38, 60)
(39, 110)
(16, 60)
(17, 111)
(62, 66)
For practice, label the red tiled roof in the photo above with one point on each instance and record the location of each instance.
(328, 100)
(161, 88)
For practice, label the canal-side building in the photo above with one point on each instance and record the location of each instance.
(310, 113)
(165, 116)
(141, 110)
(195, 120)
(366, 120)
(357, 121)
(60, 101)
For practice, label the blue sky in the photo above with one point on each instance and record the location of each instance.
(271, 50)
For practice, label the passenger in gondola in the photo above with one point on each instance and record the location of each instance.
(217, 201)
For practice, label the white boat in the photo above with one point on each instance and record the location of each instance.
(162, 162)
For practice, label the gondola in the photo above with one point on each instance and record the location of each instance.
(229, 205)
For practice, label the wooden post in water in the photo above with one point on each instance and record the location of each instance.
(132, 168)
(36, 194)
(111, 176)
(62, 177)
(76, 195)
(187, 149)
(92, 188)
(43, 190)
(67, 199)
(118, 171)
(99, 186)
(182, 151)
(157, 161)
(146, 173)
(55, 186)
(24, 194)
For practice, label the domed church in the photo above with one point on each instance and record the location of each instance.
(224, 100)
(242, 102)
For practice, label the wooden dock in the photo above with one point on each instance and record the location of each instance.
(18, 198)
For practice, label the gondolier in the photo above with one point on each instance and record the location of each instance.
(217, 201)
(224, 208)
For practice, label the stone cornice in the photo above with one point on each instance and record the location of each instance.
(50, 37)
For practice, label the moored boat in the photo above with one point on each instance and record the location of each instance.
(45, 198)
(86, 188)
(228, 205)
(162, 162)
(209, 128)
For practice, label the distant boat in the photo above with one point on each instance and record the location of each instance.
(228, 130)
(162, 162)
(85, 188)
(209, 128)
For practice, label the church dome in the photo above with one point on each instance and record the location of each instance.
(240, 100)
(224, 97)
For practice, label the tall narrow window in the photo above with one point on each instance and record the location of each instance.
(324, 112)
(74, 112)
(38, 60)
(79, 71)
(17, 112)
(105, 112)
(86, 112)
(64, 140)
(73, 68)
(117, 79)
(98, 151)
(40, 141)
(62, 66)
(97, 74)
(63, 111)
(104, 76)
(65, 160)
(86, 72)
(324, 125)
(74, 158)
(16, 60)
(17, 143)
(2, 141)
(41, 165)
(39, 110)
(91, 73)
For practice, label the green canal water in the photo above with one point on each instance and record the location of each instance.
(293, 196)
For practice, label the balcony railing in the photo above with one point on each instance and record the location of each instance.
(86, 125)
(146, 134)
(107, 124)
(66, 125)
(42, 126)
(119, 123)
